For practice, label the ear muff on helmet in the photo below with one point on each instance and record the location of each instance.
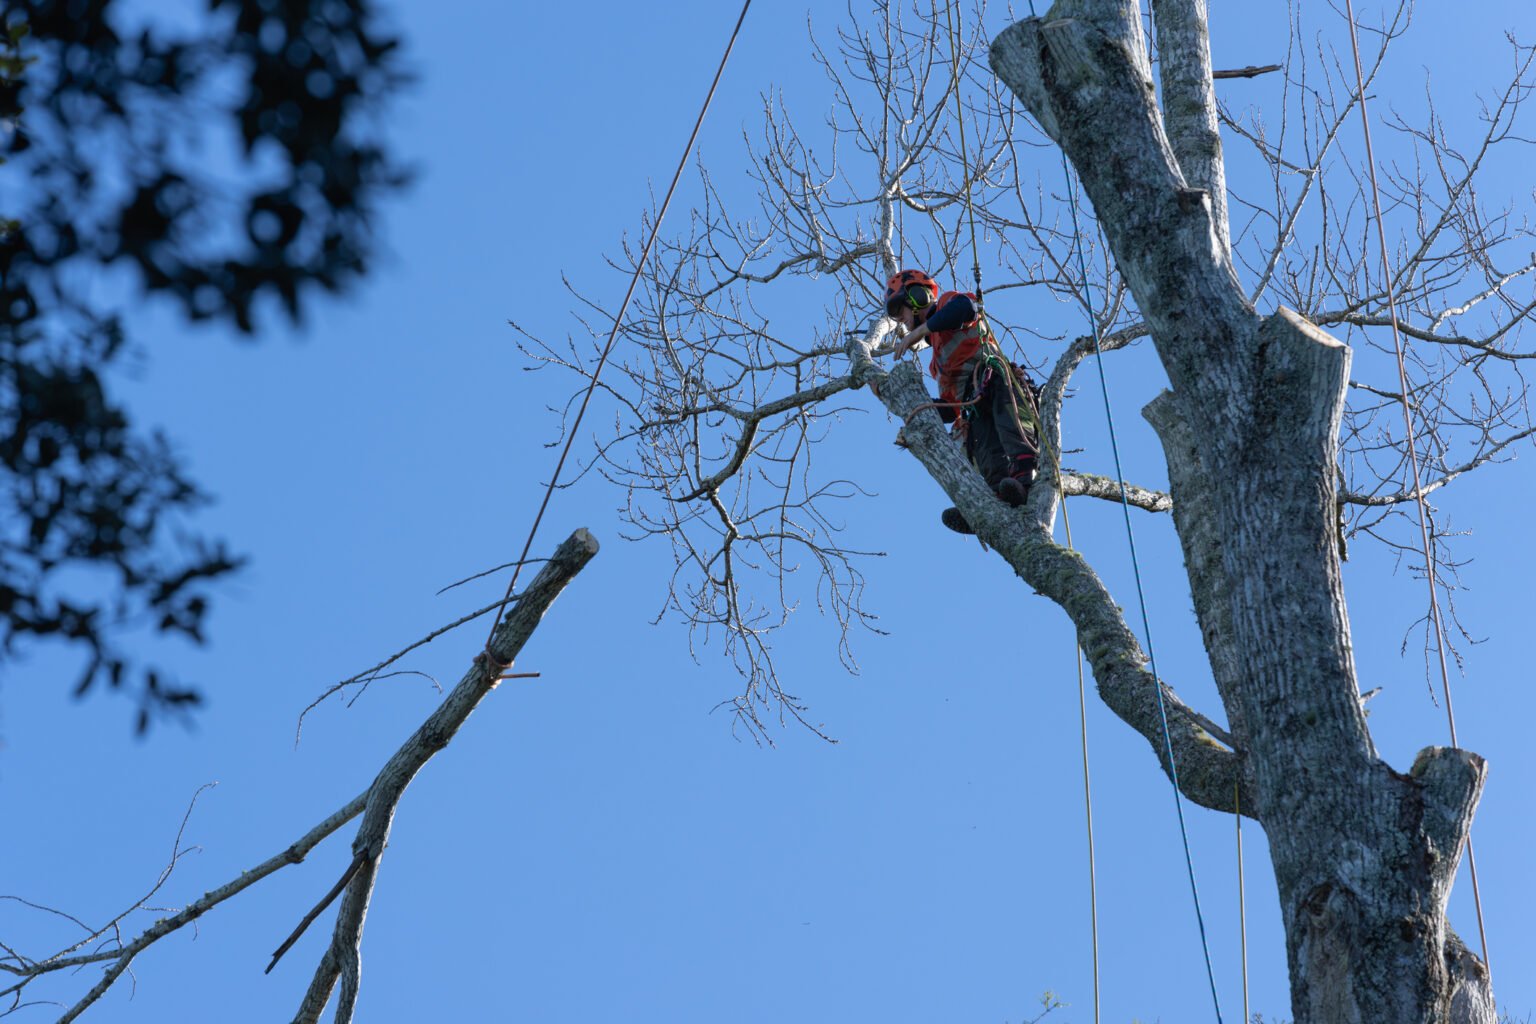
(918, 296)
(911, 289)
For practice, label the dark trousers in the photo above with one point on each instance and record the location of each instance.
(995, 440)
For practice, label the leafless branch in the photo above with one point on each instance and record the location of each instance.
(121, 956)
(377, 672)
(1251, 71)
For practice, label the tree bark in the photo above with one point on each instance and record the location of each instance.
(1364, 856)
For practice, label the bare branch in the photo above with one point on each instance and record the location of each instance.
(1251, 71)
(1430, 486)
(1108, 489)
(1207, 774)
(369, 675)
(121, 959)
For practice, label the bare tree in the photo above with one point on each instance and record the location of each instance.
(1281, 440)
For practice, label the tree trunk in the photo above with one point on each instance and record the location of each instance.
(1364, 856)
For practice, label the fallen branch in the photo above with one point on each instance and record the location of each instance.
(342, 960)
(377, 805)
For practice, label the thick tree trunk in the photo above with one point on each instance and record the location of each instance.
(1364, 856)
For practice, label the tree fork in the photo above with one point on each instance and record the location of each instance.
(1363, 855)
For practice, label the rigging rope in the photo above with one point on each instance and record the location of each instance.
(1125, 506)
(619, 318)
(1413, 454)
(1082, 711)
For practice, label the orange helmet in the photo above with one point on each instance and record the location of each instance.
(911, 288)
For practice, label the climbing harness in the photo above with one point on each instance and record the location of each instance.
(988, 360)
(1413, 454)
(618, 320)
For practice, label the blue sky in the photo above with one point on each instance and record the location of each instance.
(596, 844)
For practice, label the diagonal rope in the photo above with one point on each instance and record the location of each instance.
(1413, 454)
(619, 317)
(1141, 597)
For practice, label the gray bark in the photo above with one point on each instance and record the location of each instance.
(1189, 102)
(1364, 855)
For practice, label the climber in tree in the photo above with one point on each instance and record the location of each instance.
(980, 392)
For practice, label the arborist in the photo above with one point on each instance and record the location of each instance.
(981, 393)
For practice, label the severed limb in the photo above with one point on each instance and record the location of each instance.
(377, 805)
(1251, 71)
(342, 960)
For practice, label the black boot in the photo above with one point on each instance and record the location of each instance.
(952, 518)
(1012, 491)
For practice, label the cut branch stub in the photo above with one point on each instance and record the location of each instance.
(1452, 784)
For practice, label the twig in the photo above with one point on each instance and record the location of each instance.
(123, 957)
(373, 673)
(484, 573)
(1251, 71)
(325, 901)
(1429, 486)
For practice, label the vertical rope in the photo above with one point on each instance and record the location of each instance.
(953, 20)
(1413, 454)
(1242, 909)
(1082, 710)
(1141, 600)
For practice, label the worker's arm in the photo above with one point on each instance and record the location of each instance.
(906, 344)
(957, 312)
